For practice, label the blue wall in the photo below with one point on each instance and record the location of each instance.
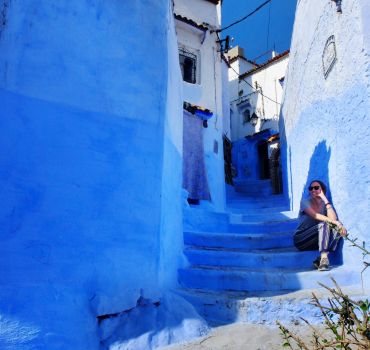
(325, 125)
(86, 152)
(245, 155)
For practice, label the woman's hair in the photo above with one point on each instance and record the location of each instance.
(322, 185)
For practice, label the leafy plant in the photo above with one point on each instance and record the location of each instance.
(346, 321)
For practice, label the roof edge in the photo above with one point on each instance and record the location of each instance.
(215, 2)
(231, 60)
(190, 22)
(264, 65)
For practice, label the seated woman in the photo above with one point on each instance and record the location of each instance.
(314, 231)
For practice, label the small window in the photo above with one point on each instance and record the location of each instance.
(188, 64)
(246, 116)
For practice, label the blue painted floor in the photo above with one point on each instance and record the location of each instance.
(246, 252)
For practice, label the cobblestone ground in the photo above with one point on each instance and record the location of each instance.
(242, 337)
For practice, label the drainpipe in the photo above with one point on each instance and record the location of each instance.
(263, 101)
(204, 37)
(276, 104)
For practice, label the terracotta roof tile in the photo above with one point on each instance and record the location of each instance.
(274, 137)
(190, 22)
(213, 1)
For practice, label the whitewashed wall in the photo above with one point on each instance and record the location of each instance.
(199, 11)
(268, 79)
(208, 93)
(325, 122)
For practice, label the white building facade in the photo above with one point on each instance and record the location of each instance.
(203, 74)
(256, 92)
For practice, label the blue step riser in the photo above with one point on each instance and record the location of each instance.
(252, 187)
(254, 190)
(255, 210)
(253, 183)
(224, 311)
(257, 281)
(261, 217)
(252, 260)
(254, 194)
(237, 242)
(263, 228)
(247, 228)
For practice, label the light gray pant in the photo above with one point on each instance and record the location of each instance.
(319, 236)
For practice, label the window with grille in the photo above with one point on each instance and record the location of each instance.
(188, 64)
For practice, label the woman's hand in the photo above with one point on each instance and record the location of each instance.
(341, 229)
(323, 197)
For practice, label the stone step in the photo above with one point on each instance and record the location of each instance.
(238, 241)
(253, 280)
(286, 217)
(274, 225)
(288, 258)
(258, 184)
(226, 222)
(219, 307)
(239, 197)
(258, 188)
(254, 192)
(253, 209)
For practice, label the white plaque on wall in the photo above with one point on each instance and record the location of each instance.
(329, 56)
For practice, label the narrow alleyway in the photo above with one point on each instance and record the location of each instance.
(243, 266)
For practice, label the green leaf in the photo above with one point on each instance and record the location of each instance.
(363, 306)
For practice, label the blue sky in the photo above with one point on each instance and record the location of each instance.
(254, 34)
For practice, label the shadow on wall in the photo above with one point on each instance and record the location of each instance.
(319, 170)
(151, 324)
(285, 161)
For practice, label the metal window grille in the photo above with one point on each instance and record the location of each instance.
(188, 64)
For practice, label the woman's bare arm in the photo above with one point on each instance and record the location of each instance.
(320, 217)
(329, 208)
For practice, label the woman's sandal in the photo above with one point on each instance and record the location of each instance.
(316, 262)
(324, 264)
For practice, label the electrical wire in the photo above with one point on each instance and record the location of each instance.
(256, 90)
(244, 18)
(268, 28)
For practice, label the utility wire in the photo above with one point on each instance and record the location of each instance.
(255, 90)
(236, 22)
(260, 92)
(268, 28)
(245, 17)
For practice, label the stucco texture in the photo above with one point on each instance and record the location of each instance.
(324, 121)
(87, 185)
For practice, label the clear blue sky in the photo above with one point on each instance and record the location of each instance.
(254, 34)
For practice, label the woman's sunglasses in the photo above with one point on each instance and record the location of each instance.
(314, 188)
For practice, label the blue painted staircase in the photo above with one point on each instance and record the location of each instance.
(240, 257)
